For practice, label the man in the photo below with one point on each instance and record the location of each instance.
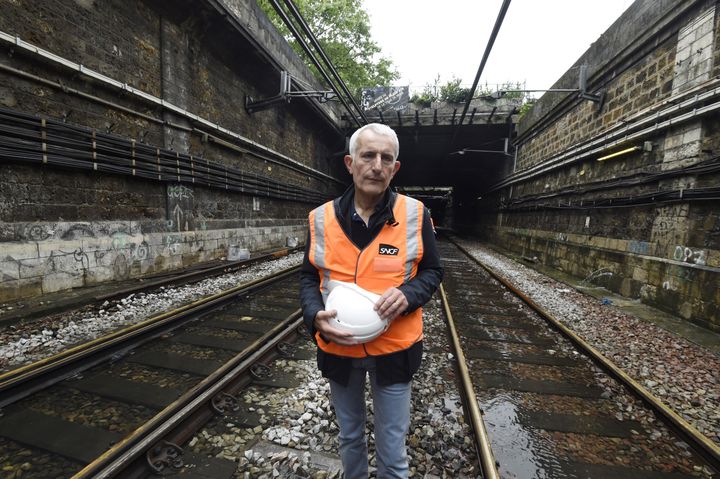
(383, 242)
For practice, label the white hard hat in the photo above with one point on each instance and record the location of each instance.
(355, 313)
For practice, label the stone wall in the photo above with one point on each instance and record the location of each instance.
(645, 222)
(172, 77)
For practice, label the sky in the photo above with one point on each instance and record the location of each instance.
(537, 42)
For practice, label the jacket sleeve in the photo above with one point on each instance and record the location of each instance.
(310, 297)
(420, 289)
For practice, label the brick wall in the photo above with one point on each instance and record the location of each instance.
(643, 223)
(65, 227)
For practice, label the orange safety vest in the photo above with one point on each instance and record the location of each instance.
(391, 259)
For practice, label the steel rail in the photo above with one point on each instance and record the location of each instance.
(64, 358)
(149, 283)
(701, 443)
(116, 459)
(487, 459)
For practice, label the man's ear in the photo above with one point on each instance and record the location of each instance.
(348, 163)
(396, 167)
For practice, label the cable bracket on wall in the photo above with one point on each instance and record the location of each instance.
(581, 91)
(286, 95)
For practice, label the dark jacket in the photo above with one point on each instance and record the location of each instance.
(391, 368)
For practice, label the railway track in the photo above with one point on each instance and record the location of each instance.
(155, 402)
(551, 407)
(119, 405)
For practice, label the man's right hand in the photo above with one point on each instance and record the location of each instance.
(329, 333)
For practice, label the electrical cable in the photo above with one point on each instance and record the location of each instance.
(256, 148)
(651, 198)
(313, 39)
(486, 54)
(708, 166)
(306, 48)
(40, 141)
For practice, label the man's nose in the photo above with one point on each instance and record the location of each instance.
(376, 161)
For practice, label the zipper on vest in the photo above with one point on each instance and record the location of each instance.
(361, 251)
(357, 265)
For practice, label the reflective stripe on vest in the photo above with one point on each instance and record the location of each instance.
(318, 252)
(390, 259)
(413, 233)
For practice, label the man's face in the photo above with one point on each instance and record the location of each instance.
(374, 164)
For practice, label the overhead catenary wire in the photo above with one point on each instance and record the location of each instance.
(313, 39)
(306, 48)
(486, 55)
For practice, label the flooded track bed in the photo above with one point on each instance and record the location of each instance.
(549, 410)
(286, 424)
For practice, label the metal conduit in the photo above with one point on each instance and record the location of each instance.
(303, 24)
(630, 131)
(26, 138)
(706, 167)
(487, 459)
(313, 58)
(16, 41)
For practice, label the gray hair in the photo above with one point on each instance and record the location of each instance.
(377, 128)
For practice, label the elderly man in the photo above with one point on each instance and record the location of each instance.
(384, 243)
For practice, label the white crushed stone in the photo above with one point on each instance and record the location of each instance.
(302, 420)
(22, 344)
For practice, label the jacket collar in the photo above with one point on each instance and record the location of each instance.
(343, 205)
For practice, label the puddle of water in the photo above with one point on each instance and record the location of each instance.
(519, 451)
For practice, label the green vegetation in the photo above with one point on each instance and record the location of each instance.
(428, 95)
(453, 92)
(342, 28)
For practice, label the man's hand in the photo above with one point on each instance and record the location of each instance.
(391, 304)
(322, 324)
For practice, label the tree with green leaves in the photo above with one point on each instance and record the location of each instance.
(342, 28)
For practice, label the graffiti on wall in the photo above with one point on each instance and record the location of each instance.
(180, 205)
(73, 255)
(689, 255)
(77, 253)
(639, 247)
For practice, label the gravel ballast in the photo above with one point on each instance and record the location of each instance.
(24, 343)
(682, 374)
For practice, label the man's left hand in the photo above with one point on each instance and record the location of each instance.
(391, 304)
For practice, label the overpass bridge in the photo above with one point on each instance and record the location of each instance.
(443, 160)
